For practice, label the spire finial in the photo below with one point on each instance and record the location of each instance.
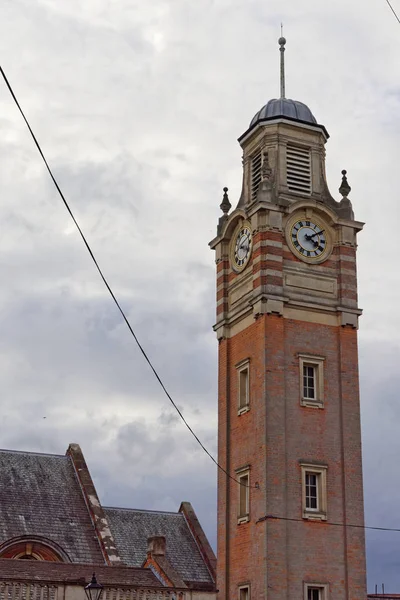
(344, 189)
(225, 205)
(282, 42)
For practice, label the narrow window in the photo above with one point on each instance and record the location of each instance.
(243, 477)
(256, 164)
(244, 495)
(311, 380)
(314, 491)
(315, 591)
(244, 592)
(243, 370)
(311, 491)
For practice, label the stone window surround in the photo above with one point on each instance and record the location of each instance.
(322, 587)
(241, 367)
(319, 514)
(241, 473)
(244, 588)
(318, 363)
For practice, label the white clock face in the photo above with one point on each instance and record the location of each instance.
(242, 248)
(308, 238)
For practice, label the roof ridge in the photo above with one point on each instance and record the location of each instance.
(143, 510)
(5, 451)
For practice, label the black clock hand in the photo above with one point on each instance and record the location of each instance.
(245, 245)
(317, 233)
(310, 237)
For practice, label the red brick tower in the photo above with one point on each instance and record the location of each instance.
(289, 416)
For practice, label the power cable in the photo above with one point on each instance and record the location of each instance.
(393, 11)
(273, 517)
(125, 318)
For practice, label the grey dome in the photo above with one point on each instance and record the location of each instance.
(283, 107)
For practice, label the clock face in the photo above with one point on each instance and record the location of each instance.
(308, 239)
(242, 248)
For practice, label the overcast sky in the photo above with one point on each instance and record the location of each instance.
(138, 106)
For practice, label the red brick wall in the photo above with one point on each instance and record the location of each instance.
(273, 437)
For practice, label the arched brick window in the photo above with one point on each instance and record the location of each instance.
(32, 549)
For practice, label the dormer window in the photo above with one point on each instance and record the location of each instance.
(298, 169)
(256, 164)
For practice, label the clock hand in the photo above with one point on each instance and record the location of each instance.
(310, 237)
(245, 245)
(317, 233)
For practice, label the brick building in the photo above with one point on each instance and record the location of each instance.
(54, 533)
(289, 416)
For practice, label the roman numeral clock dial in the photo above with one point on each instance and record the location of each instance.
(241, 247)
(309, 239)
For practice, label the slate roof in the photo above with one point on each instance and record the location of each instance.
(40, 496)
(55, 572)
(131, 528)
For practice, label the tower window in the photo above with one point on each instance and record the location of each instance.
(311, 491)
(256, 164)
(298, 169)
(311, 380)
(243, 385)
(243, 477)
(313, 591)
(244, 592)
(314, 491)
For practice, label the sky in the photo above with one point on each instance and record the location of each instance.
(138, 107)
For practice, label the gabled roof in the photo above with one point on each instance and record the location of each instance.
(131, 529)
(40, 497)
(50, 502)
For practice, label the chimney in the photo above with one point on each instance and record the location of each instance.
(156, 545)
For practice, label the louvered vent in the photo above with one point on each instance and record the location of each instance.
(298, 169)
(256, 165)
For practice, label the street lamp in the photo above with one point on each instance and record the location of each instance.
(93, 590)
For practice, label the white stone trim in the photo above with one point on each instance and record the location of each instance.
(346, 257)
(244, 588)
(322, 587)
(243, 368)
(318, 363)
(263, 243)
(244, 494)
(320, 513)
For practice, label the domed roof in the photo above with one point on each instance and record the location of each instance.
(283, 107)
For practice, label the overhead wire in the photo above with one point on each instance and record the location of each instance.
(102, 276)
(125, 318)
(331, 523)
(146, 357)
(393, 11)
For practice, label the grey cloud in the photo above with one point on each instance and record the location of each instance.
(169, 418)
(138, 107)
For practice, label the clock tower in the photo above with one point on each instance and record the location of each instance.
(290, 512)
